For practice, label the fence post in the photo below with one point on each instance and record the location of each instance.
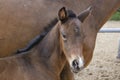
(118, 56)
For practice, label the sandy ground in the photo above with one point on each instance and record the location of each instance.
(104, 65)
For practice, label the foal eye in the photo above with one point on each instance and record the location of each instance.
(64, 36)
(76, 29)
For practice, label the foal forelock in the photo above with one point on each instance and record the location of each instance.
(38, 38)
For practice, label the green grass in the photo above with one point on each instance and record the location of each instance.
(116, 16)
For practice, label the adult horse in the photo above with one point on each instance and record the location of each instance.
(64, 42)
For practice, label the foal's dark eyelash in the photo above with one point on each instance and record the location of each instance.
(64, 36)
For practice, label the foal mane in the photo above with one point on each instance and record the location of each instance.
(47, 28)
(38, 38)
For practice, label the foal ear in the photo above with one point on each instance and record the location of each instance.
(84, 14)
(62, 15)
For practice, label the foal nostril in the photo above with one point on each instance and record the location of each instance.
(75, 64)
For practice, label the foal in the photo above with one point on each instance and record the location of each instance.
(47, 59)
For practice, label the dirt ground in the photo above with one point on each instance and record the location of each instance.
(104, 65)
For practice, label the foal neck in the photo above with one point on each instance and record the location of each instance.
(50, 52)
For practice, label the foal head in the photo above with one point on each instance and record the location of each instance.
(71, 37)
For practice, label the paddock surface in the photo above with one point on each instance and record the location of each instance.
(104, 65)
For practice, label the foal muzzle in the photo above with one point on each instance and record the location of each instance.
(77, 65)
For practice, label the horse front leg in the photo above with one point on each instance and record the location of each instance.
(66, 73)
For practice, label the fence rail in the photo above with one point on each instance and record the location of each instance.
(109, 30)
